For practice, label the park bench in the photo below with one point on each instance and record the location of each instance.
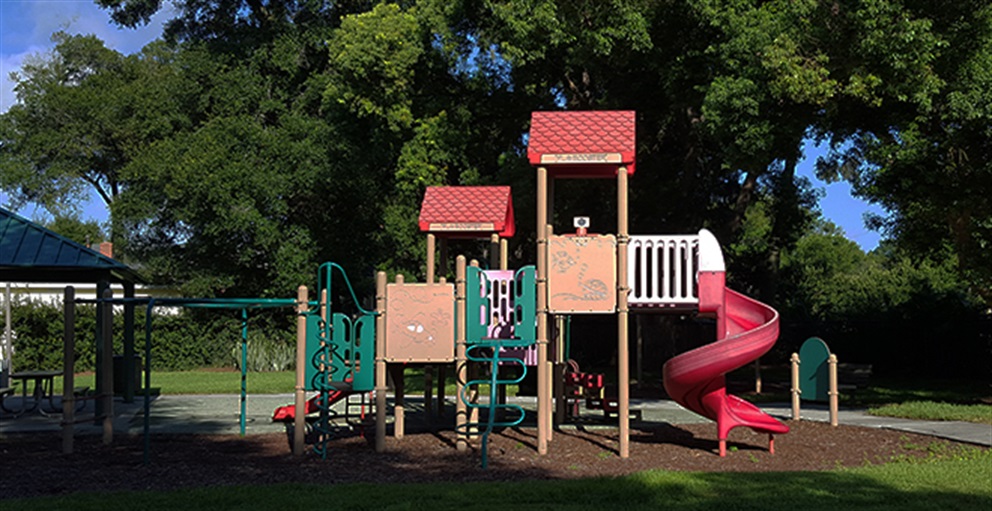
(853, 377)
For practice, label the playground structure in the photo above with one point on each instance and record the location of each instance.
(501, 319)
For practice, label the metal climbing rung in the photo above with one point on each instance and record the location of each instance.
(662, 270)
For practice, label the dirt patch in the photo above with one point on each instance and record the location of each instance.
(183, 461)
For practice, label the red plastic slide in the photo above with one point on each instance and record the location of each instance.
(746, 329)
(288, 413)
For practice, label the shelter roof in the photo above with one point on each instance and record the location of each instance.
(584, 143)
(468, 211)
(31, 253)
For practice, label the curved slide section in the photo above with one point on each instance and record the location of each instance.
(288, 413)
(695, 379)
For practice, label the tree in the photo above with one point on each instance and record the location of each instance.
(83, 113)
(919, 141)
(84, 232)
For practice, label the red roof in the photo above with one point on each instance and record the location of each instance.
(468, 211)
(582, 144)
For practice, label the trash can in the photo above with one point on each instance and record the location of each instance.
(120, 377)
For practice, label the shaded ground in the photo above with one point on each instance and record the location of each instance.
(33, 464)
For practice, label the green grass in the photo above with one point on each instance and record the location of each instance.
(936, 411)
(956, 483)
(207, 382)
(925, 399)
(229, 382)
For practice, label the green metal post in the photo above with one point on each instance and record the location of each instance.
(244, 366)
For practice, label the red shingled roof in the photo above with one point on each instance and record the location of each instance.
(468, 211)
(582, 144)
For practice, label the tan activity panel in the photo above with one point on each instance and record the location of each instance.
(420, 323)
(582, 274)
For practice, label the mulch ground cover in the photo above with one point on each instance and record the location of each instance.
(34, 465)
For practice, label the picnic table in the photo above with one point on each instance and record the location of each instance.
(44, 385)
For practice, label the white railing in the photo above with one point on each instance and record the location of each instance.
(662, 270)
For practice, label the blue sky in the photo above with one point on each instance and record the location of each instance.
(26, 27)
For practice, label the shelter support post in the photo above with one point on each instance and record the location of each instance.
(107, 375)
(130, 371)
(68, 369)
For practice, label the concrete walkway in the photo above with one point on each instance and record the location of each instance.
(220, 414)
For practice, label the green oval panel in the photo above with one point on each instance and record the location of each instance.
(813, 372)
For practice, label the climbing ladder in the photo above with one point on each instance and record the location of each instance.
(501, 325)
(340, 353)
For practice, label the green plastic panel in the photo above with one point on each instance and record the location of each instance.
(814, 374)
(364, 349)
(477, 323)
(526, 304)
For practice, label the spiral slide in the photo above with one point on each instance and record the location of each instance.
(746, 329)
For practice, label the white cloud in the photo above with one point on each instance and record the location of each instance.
(26, 28)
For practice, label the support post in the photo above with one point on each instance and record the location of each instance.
(623, 357)
(794, 364)
(130, 370)
(834, 394)
(430, 259)
(380, 362)
(68, 369)
(494, 254)
(504, 248)
(99, 366)
(107, 377)
(300, 403)
(757, 376)
(461, 409)
(543, 431)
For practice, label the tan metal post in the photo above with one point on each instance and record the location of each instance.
(380, 362)
(300, 403)
(794, 364)
(461, 410)
(623, 357)
(757, 376)
(503, 254)
(543, 431)
(834, 394)
(108, 369)
(68, 369)
(494, 257)
(430, 259)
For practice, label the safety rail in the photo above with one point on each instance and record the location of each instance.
(663, 270)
